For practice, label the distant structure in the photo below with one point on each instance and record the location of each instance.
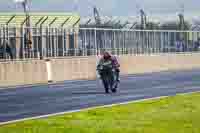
(48, 34)
(27, 34)
(97, 21)
(143, 19)
(142, 22)
(97, 17)
(181, 22)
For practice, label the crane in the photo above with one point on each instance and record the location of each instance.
(143, 19)
(181, 18)
(181, 22)
(97, 17)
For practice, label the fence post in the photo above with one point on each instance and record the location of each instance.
(114, 43)
(95, 41)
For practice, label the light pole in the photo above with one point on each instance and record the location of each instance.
(27, 35)
(25, 6)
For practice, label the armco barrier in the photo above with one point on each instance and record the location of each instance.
(32, 72)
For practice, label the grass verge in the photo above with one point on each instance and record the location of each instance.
(177, 114)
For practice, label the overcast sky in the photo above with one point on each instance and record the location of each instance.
(107, 7)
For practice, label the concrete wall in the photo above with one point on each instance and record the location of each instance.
(73, 68)
(22, 73)
(84, 68)
(157, 63)
(32, 72)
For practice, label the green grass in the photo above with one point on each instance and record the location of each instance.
(178, 114)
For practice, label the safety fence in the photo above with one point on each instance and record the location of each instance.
(39, 42)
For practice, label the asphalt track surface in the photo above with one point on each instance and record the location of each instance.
(25, 102)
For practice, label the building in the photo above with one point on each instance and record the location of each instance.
(47, 35)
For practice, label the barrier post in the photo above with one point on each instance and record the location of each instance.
(49, 70)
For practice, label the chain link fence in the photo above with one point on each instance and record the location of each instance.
(39, 43)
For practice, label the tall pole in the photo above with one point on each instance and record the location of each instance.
(27, 34)
(27, 31)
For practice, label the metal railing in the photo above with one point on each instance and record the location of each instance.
(60, 42)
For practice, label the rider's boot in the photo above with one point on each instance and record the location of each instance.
(114, 90)
(107, 91)
(118, 78)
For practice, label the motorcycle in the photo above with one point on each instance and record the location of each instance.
(108, 77)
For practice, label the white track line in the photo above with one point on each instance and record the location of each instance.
(92, 108)
(69, 84)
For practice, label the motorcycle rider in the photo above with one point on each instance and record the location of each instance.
(116, 65)
(108, 59)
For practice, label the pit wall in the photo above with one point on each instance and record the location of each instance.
(22, 73)
(158, 63)
(78, 68)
